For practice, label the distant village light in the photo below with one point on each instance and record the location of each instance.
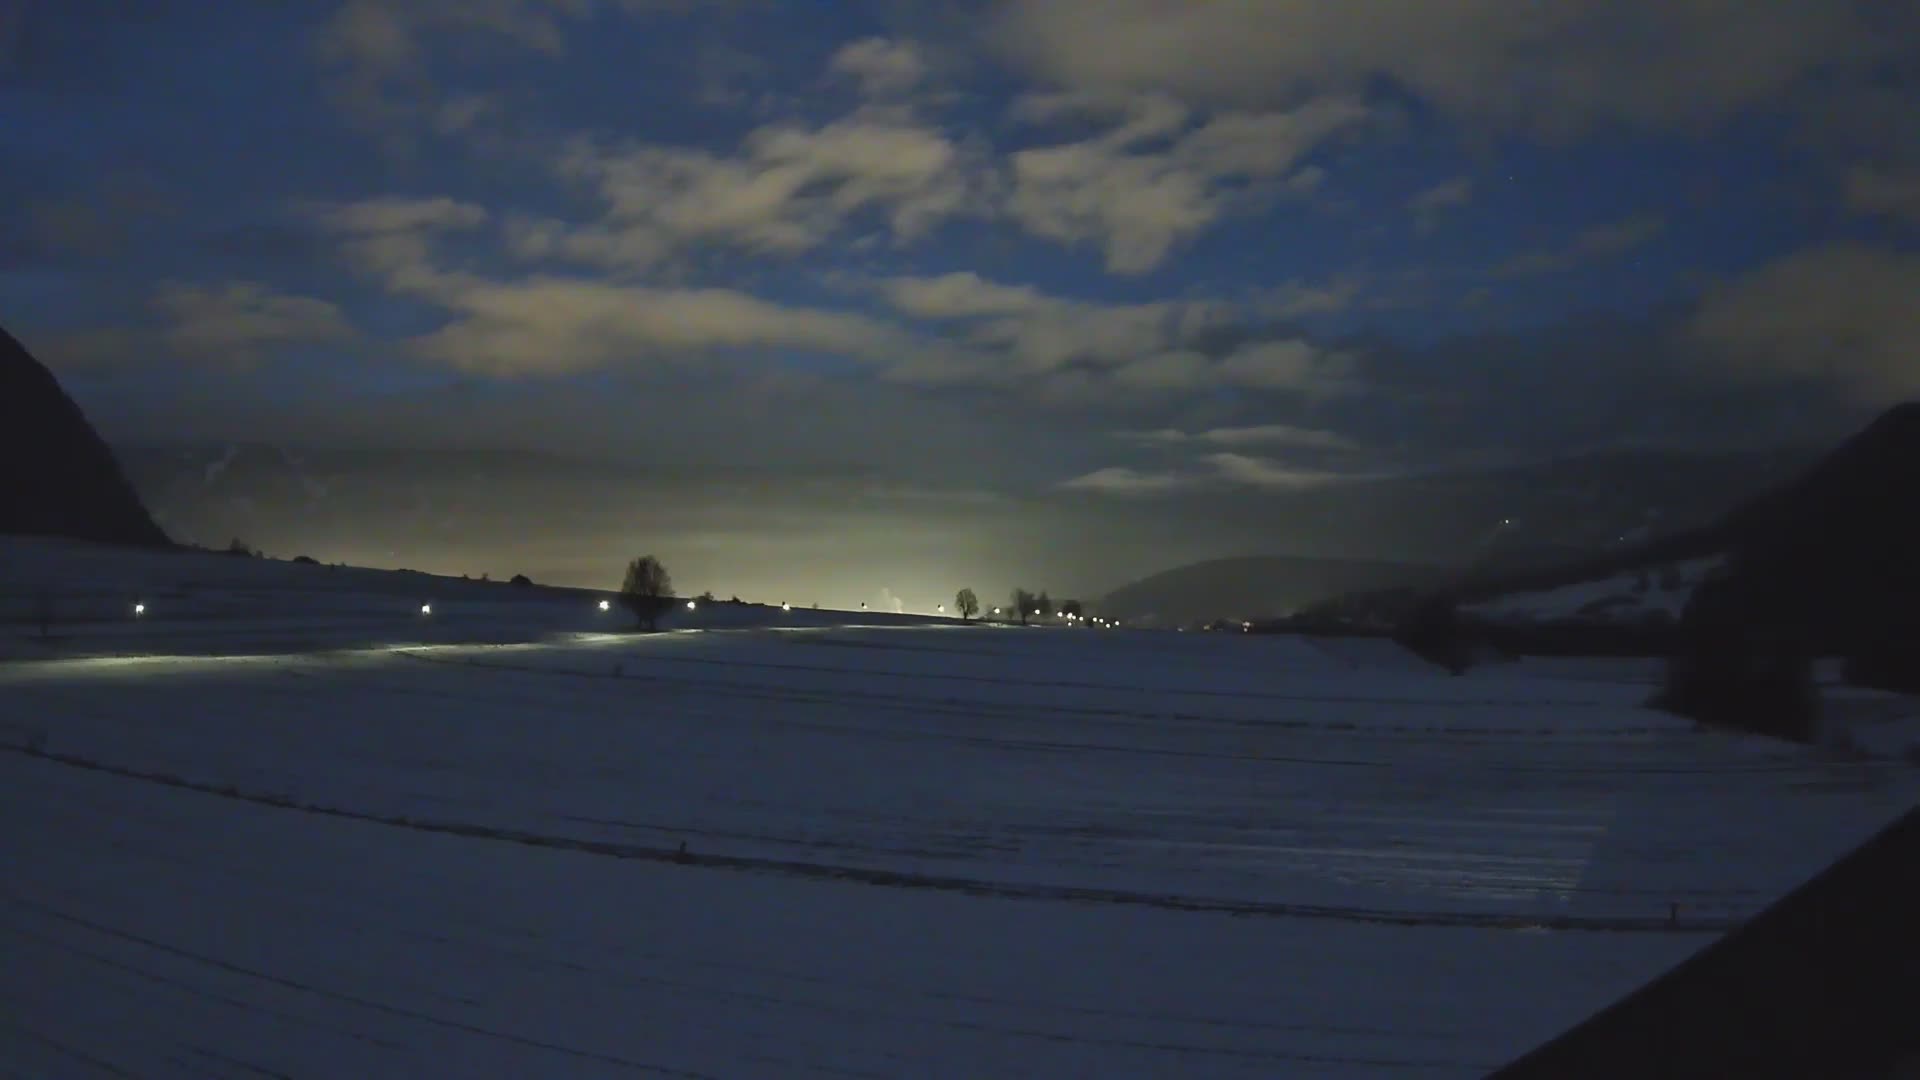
(691, 605)
(605, 606)
(426, 609)
(139, 609)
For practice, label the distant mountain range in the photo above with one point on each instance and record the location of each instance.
(479, 508)
(1458, 528)
(1255, 587)
(284, 498)
(57, 477)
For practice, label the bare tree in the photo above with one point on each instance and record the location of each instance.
(1043, 607)
(967, 604)
(1024, 605)
(1072, 607)
(647, 590)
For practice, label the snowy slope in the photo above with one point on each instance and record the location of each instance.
(1629, 599)
(911, 849)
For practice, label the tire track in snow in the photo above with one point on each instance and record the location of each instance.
(904, 879)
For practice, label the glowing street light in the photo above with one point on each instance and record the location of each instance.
(691, 605)
(605, 606)
(786, 607)
(940, 607)
(426, 609)
(139, 610)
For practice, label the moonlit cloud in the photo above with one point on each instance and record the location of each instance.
(1887, 192)
(1560, 67)
(1594, 244)
(1844, 316)
(1256, 435)
(882, 68)
(1136, 201)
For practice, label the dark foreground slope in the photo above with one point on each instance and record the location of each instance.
(1818, 985)
(57, 478)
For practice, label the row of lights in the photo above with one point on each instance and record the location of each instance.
(140, 609)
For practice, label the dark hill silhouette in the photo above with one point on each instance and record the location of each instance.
(57, 478)
(1858, 498)
(1822, 565)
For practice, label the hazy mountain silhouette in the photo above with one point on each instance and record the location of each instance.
(1256, 587)
(57, 477)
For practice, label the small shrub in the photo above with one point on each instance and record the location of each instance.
(306, 560)
(521, 580)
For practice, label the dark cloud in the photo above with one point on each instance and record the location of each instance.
(1559, 67)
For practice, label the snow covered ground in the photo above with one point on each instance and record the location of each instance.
(296, 829)
(1629, 598)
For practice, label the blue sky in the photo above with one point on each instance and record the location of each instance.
(973, 243)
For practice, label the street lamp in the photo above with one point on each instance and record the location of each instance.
(691, 605)
(605, 606)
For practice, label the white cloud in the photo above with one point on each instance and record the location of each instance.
(1443, 196)
(1214, 471)
(1841, 315)
(553, 325)
(1182, 370)
(1256, 435)
(549, 324)
(241, 322)
(232, 325)
(378, 52)
(1296, 299)
(1136, 195)
(883, 68)
(1596, 244)
(392, 237)
(1119, 480)
(1555, 66)
(1148, 348)
(786, 191)
(1273, 475)
(1430, 204)
(1884, 192)
(1038, 333)
(1295, 365)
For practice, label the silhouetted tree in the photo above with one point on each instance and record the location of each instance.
(647, 590)
(306, 560)
(967, 604)
(1072, 607)
(520, 579)
(1024, 605)
(1043, 607)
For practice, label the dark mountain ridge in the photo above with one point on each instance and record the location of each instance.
(57, 477)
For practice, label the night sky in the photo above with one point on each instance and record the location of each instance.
(997, 254)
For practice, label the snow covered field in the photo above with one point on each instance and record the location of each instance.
(296, 829)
